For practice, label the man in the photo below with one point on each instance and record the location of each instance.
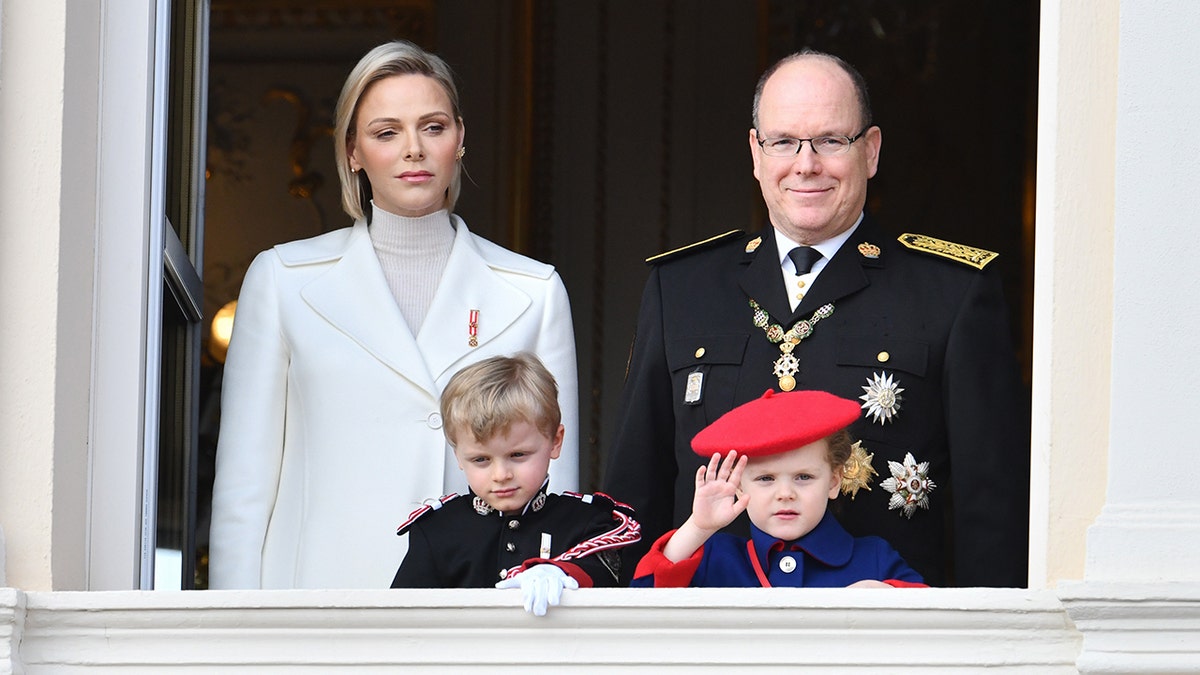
(913, 328)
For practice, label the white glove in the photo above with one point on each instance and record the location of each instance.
(541, 586)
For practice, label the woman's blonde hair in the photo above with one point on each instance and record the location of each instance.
(387, 60)
(487, 397)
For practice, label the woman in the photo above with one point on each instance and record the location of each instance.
(330, 432)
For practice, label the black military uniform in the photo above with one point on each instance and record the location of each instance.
(461, 542)
(920, 332)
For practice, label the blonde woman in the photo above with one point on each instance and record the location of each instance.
(330, 428)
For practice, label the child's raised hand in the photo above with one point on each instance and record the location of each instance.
(718, 500)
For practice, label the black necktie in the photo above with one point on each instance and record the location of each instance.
(804, 257)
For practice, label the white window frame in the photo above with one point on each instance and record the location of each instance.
(123, 292)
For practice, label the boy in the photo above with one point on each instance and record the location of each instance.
(502, 418)
(792, 448)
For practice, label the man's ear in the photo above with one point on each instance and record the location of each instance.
(874, 143)
(755, 151)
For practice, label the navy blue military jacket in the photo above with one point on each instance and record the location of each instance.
(935, 330)
(827, 557)
(454, 544)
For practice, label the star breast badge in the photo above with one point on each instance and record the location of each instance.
(857, 471)
(882, 398)
(909, 484)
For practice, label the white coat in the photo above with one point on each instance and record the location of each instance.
(330, 432)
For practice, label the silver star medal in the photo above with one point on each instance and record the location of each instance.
(882, 398)
(910, 485)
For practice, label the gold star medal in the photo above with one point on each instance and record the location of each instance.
(857, 471)
(909, 484)
(787, 365)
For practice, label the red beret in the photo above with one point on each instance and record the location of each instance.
(776, 423)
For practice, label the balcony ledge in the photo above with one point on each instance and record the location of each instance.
(686, 630)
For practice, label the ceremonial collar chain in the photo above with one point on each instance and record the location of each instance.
(786, 366)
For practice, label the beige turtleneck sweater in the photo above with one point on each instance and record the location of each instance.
(413, 253)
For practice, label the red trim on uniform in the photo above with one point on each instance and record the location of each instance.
(626, 532)
(615, 501)
(572, 570)
(422, 510)
(904, 584)
(758, 570)
(668, 574)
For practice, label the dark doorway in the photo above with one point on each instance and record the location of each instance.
(602, 133)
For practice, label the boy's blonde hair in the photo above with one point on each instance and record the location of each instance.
(486, 398)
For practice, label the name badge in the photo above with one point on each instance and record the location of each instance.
(694, 390)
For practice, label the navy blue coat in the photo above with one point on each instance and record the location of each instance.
(827, 557)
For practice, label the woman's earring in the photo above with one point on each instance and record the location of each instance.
(461, 151)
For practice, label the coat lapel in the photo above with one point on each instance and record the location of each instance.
(762, 280)
(354, 297)
(843, 274)
(469, 283)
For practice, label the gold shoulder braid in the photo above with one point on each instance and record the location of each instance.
(969, 255)
(694, 246)
(786, 366)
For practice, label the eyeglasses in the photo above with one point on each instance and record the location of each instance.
(827, 146)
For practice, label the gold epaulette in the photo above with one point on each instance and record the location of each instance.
(968, 255)
(695, 246)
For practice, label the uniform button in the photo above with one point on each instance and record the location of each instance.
(883, 357)
(800, 284)
(514, 524)
(510, 547)
(434, 420)
(799, 296)
(700, 352)
(787, 563)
